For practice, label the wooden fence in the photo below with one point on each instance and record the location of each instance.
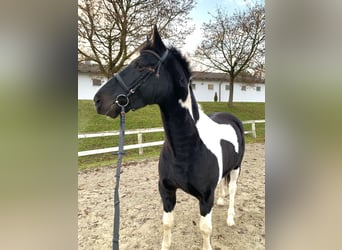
(140, 145)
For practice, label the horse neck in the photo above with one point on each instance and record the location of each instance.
(180, 128)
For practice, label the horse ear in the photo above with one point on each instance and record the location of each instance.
(156, 40)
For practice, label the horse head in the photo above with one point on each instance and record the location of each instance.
(141, 82)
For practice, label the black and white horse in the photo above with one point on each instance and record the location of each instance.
(199, 152)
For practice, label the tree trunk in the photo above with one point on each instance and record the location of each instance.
(231, 91)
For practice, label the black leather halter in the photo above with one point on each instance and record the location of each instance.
(123, 99)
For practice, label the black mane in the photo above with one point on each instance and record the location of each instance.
(182, 60)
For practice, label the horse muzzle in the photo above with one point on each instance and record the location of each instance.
(107, 108)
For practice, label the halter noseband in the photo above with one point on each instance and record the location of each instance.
(122, 100)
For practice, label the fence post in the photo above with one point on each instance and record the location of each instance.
(253, 129)
(140, 141)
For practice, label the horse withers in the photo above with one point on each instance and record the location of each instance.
(200, 152)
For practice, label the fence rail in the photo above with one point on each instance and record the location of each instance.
(139, 132)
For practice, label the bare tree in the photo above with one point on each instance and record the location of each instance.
(111, 31)
(235, 43)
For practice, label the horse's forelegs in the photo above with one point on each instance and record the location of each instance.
(206, 205)
(206, 229)
(168, 220)
(234, 174)
(169, 201)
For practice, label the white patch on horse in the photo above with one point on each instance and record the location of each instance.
(206, 229)
(222, 192)
(168, 220)
(234, 175)
(212, 133)
(187, 103)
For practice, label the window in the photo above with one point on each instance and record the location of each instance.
(193, 86)
(243, 88)
(258, 88)
(210, 86)
(96, 82)
(227, 86)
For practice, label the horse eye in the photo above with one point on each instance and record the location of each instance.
(136, 64)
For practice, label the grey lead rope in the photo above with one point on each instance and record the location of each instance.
(118, 171)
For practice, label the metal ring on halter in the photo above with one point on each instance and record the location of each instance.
(122, 104)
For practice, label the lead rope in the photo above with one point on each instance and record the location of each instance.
(118, 172)
(122, 101)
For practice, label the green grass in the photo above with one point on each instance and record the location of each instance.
(148, 117)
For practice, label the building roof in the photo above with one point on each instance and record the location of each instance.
(88, 68)
(196, 75)
(215, 76)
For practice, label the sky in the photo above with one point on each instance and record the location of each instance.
(200, 14)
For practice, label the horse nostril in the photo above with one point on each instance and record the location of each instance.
(97, 102)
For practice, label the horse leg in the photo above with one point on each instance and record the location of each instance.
(168, 220)
(206, 229)
(234, 174)
(205, 221)
(222, 191)
(169, 200)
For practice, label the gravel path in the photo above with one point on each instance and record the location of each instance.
(141, 209)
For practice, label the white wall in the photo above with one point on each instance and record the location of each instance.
(86, 90)
(202, 93)
(251, 94)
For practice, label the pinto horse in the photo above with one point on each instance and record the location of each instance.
(199, 151)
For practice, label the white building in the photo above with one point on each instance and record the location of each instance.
(204, 84)
(89, 81)
(246, 89)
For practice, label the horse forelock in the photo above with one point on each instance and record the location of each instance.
(175, 52)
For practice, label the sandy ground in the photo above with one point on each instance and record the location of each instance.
(141, 209)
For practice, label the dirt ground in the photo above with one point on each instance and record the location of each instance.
(141, 209)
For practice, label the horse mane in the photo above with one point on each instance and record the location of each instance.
(182, 60)
(183, 84)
